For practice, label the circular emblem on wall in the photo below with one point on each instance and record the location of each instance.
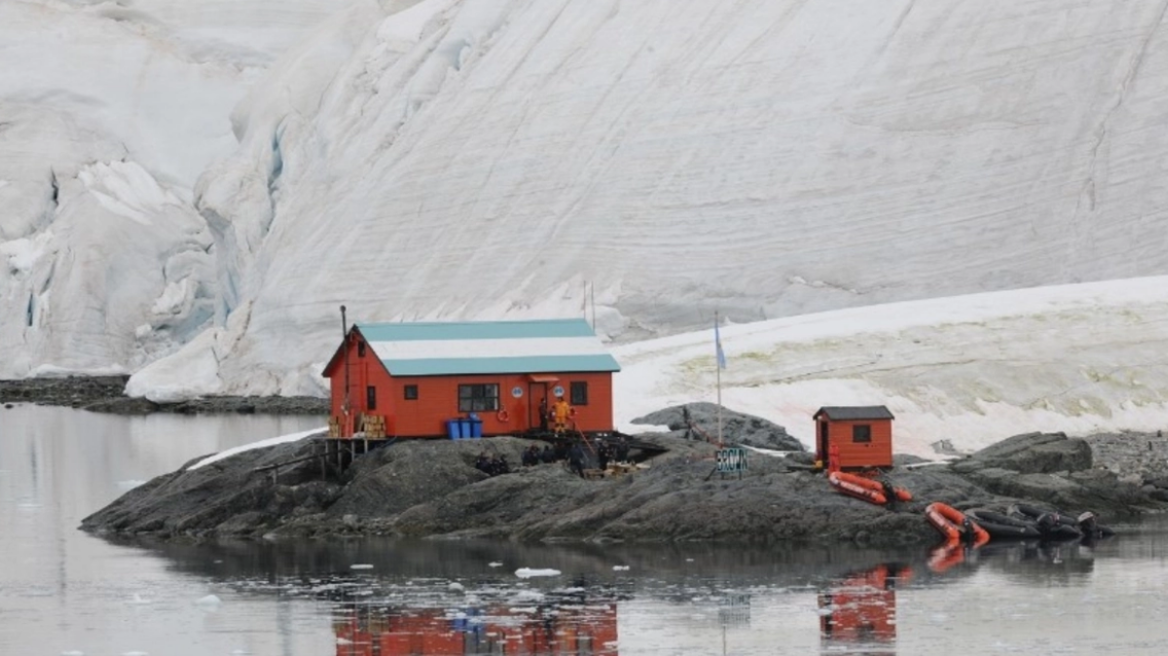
(558, 390)
(517, 391)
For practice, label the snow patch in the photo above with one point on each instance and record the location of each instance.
(527, 572)
(282, 439)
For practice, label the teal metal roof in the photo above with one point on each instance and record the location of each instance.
(438, 330)
(504, 365)
(488, 347)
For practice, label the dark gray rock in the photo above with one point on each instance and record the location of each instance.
(699, 421)
(431, 488)
(1032, 453)
(107, 394)
(389, 481)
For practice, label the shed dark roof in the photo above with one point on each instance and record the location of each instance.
(850, 413)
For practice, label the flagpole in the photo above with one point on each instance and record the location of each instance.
(718, 367)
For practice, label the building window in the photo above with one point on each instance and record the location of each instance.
(579, 393)
(862, 433)
(371, 397)
(411, 392)
(478, 398)
(361, 349)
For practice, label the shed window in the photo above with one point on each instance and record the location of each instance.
(579, 393)
(411, 392)
(478, 398)
(862, 433)
(361, 349)
(371, 397)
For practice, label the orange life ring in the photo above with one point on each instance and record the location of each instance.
(503, 416)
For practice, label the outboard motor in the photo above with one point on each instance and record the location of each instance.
(967, 534)
(1047, 523)
(1089, 525)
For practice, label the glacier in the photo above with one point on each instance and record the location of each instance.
(109, 112)
(481, 159)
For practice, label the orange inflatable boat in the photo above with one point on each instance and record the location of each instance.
(955, 526)
(867, 489)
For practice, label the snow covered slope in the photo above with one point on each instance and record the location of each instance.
(483, 158)
(971, 370)
(108, 114)
(460, 159)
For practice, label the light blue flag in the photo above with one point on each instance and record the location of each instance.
(718, 347)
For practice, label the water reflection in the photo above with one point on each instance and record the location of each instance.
(857, 613)
(1027, 561)
(560, 627)
(65, 591)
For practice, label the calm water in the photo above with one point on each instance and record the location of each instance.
(62, 591)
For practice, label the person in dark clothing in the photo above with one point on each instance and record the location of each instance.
(622, 449)
(549, 454)
(531, 456)
(602, 454)
(500, 466)
(576, 459)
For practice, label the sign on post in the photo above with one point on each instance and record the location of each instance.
(731, 460)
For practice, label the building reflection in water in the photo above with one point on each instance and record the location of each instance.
(857, 612)
(543, 630)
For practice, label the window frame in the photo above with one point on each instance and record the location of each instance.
(478, 397)
(360, 348)
(370, 397)
(410, 392)
(861, 433)
(577, 390)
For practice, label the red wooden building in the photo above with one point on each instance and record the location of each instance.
(410, 379)
(862, 435)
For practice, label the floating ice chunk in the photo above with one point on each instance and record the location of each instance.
(139, 599)
(527, 572)
(361, 566)
(455, 586)
(494, 564)
(209, 600)
(620, 568)
(528, 595)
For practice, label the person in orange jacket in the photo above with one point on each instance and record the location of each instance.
(561, 411)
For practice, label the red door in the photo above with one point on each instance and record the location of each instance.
(537, 405)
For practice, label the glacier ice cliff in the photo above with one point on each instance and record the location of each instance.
(451, 159)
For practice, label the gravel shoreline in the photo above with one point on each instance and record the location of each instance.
(106, 394)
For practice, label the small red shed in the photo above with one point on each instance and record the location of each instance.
(410, 379)
(861, 434)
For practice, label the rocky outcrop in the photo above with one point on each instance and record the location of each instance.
(699, 421)
(1032, 453)
(431, 488)
(107, 394)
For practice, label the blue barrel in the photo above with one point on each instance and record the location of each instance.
(454, 428)
(476, 426)
(466, 427)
